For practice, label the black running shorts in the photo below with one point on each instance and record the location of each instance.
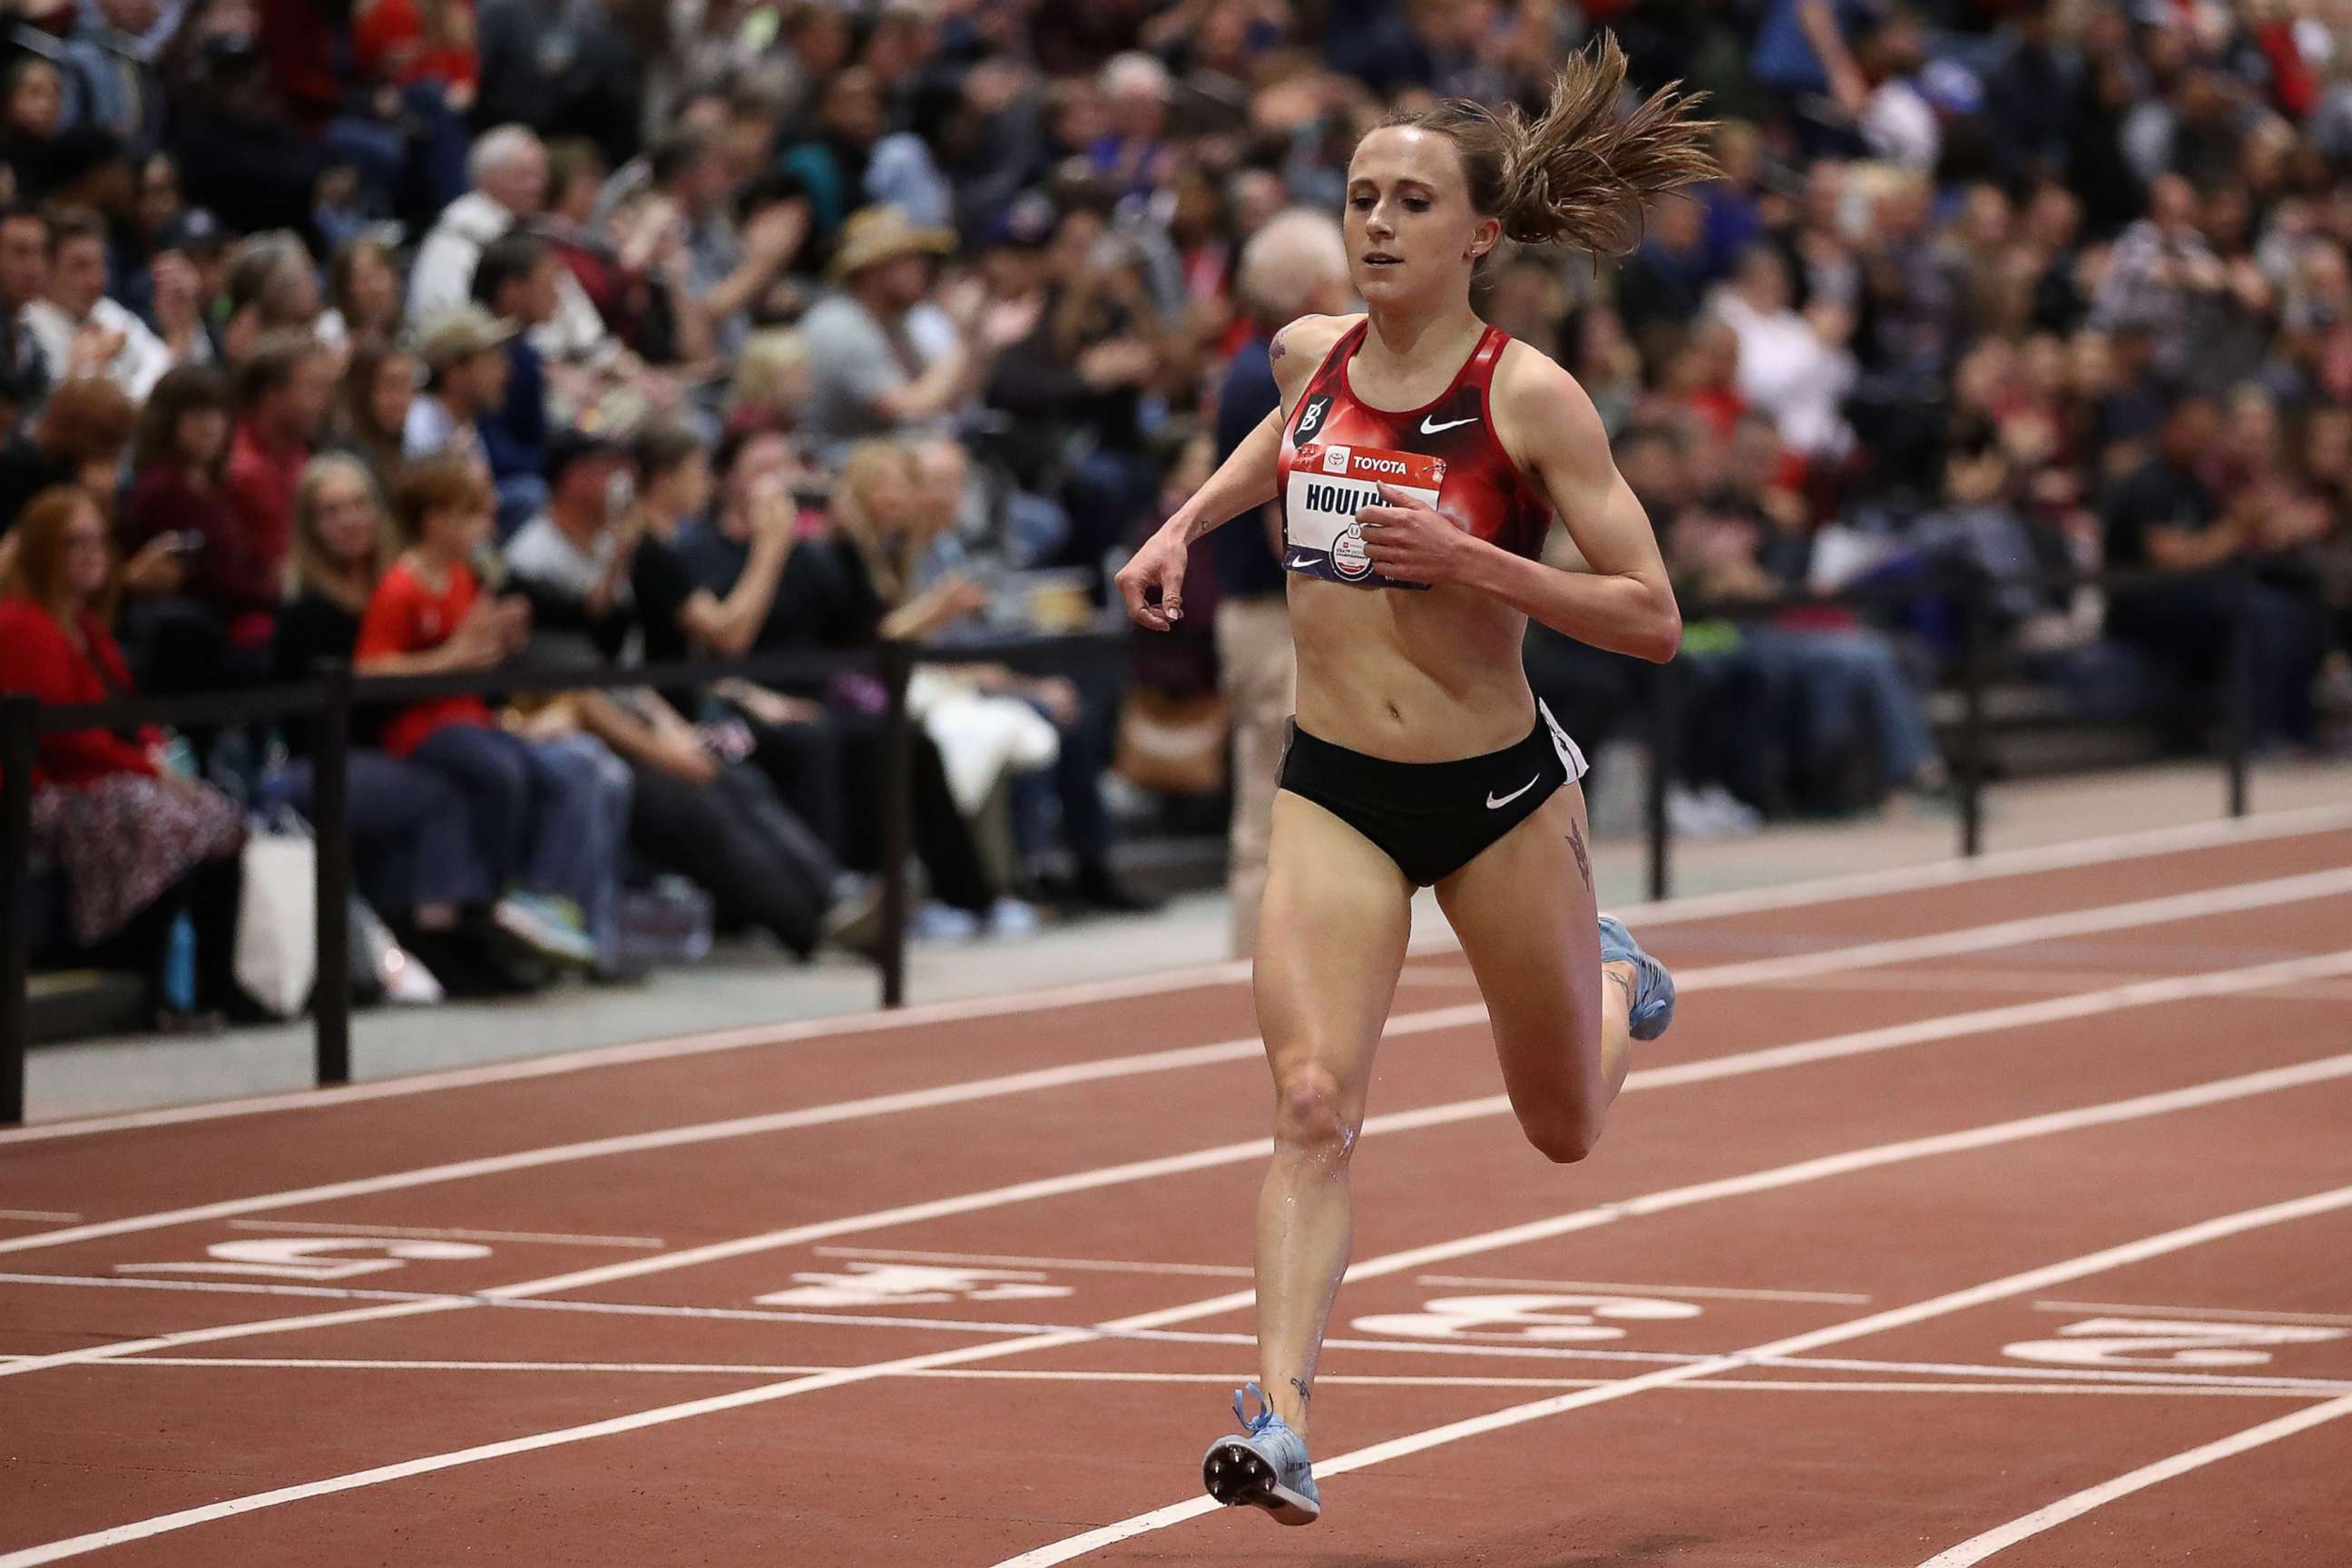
(1432, 818)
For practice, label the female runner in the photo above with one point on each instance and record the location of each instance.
(1420, 456)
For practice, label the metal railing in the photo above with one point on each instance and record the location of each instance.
(332, 696)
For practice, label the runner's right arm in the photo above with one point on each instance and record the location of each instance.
(1244, 481)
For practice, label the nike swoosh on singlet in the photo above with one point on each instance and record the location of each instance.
(1429, 430)
(1495, 803)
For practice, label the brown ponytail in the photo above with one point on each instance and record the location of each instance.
(1579, 174)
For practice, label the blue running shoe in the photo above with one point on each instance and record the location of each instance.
(1654, 988)
(1264, 1466)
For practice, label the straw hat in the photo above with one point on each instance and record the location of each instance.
(876, 234)
(460, 334)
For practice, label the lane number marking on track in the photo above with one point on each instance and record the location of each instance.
(2166, 1342)
(1555, 1319)
(313, 1257)
(894, 1283)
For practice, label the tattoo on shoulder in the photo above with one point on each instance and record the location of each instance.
(1583, 860)
(1278, 348)
(1306, 1394)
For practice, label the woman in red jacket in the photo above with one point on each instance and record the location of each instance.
(137, 844)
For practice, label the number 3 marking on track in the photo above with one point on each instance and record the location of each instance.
(1548, 1318)
(298, 1257)
(2165, 1341)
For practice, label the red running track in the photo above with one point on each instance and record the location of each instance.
(1996, 1213)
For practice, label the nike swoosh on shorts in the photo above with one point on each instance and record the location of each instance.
(1495, 803)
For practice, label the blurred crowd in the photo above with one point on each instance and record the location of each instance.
(438, 334)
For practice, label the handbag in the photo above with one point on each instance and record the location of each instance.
(1172, 742)
(277, 922)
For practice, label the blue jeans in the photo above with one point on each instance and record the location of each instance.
(1836, 672)
(412, 834)
(549, 816)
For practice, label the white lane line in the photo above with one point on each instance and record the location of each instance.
(2082, 1503)
(1077, 1265)
(1503, 1346)
(1973, 939)
(1220, 1379)
(1945, 1305)
(2141, 845)
(1832, 1298)
(2021, 1015)
(1802, 1172)
(641, 1243)
(2223, 1314)
(50, 1214)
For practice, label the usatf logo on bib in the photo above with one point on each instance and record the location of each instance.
(1329, 485)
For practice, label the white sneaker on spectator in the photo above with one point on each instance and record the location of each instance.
(1011, 917)
(407, 983)
(935, 921)
(543, 925)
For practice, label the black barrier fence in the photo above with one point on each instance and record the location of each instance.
(331, 697)
(1973, 594)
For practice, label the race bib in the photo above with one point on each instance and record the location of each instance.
(1327, 486)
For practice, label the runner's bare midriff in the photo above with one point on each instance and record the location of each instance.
(1411, 677)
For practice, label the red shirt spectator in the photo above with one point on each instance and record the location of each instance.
(409, 614)
(286, 385)
(408, 41)
(38, 656)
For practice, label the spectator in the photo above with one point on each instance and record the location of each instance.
(516, 284)
(1794, 367)
(824, 603)
(729, 272)
(80, 437)
(24, 277)
(372, 411)
(509, 168)
(273, 286)
(572, 550)
(32, 112)
(466, 371)
(412, 834)
(694, 809)
(869, 378)
(284, 388)
(774, 379)
(215, 629)
(1082, 706)
(79, 328)
(363, 289)
(138, 845)
(548, 817)
(2164, 518)
(1296, 265)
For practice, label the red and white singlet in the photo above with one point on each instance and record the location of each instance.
(1338, 451)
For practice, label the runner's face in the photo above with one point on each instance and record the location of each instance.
(1409, 227)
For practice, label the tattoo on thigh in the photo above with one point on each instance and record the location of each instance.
(1306, 1394)
(1583, 860)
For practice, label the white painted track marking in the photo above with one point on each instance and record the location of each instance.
(1829, 1298)
(1499, 1346)
(1819, 1169)
(2224, 1314)
(1973, 939)
(2082, 1503)
(50, 1214)
(1075, 1265)
(1796, 1344)
(641, 1243)
(2021, 1015)
(2142, 844)
(1215, 1379)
